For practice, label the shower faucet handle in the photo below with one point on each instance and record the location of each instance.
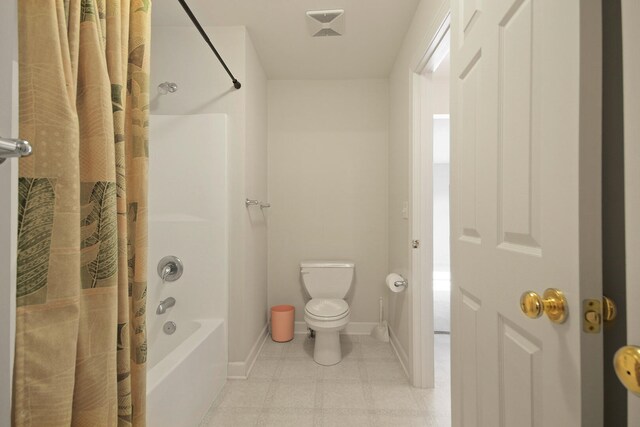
(170, 268)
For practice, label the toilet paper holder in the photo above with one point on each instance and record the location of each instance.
(401, 283)
(396, 282)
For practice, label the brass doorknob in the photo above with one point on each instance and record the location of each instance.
(626, 363)
(552, 303)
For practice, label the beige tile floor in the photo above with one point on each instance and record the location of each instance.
(368, 388)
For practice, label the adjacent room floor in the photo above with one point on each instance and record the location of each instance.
(368, 388)
(442, 305)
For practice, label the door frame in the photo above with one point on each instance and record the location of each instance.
(8, 204)
(421, 225)
(631, 87)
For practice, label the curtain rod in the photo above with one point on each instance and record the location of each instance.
(186, 8)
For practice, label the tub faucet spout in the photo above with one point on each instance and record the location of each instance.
(164, 304)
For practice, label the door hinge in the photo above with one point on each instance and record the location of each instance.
(415, 244)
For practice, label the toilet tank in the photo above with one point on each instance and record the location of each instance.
(327, 279)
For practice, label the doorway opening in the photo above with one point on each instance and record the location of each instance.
(430, 224)
(441, 247)
(436, 84)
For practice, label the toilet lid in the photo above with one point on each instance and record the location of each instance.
(326, 307)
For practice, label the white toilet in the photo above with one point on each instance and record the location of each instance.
(328, 283)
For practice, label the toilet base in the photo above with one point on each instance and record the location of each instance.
(327, 349)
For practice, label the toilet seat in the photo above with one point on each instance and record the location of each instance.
(327, 308)
(327, 317)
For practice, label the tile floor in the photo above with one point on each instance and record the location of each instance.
(368, 388)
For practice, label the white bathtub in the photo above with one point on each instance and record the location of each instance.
(185, 373)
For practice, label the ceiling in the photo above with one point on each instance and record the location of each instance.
(374, 32)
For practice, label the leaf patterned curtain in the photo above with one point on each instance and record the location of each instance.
(84, 95)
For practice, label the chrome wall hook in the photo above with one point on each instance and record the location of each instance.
(250, 202)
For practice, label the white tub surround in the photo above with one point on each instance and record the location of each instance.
(187, 219)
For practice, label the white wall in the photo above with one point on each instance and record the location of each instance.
(328, 143)
(422, 29)
(180, 55)
(8, 204)
(252, 304)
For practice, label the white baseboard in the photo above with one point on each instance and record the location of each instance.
(400, 352)
(236, 371)
(241, 370)
(353, 328)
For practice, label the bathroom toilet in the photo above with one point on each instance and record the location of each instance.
(327, 313)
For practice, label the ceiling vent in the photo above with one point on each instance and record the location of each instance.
(324, 23)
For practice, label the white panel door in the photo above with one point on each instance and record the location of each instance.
(525, 182)
(631, 64)
(8, 200)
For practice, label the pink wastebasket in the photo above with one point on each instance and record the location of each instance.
(282, 321)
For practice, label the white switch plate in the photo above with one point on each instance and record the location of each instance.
(405, 210)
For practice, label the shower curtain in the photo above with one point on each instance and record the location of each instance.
(80, 322)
